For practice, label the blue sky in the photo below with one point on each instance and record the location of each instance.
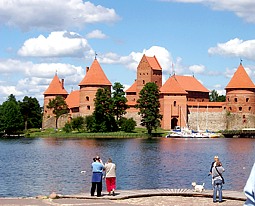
(206, 38)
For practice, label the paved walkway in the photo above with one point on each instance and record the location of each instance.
(157, 197)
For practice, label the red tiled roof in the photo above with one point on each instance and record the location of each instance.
(240, 80)
(95, 76)
(133, 87)
(73, 99)
(190, 83)
(153, 62)
(240, 92)
(172, 86)
(55, 87)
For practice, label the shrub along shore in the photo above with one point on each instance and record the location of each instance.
(138, 133)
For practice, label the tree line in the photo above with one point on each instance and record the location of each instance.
(17, 116)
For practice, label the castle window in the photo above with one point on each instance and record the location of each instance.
(88, 107)
(143, 82)
(249, 108)
(156, 82)
(235, 99)
(224, 107)
(230, 109)
(243, 116)
(247, 99)
(147, 73)
(240, 109)
(174, 103)
(228, 99)
(87, 98)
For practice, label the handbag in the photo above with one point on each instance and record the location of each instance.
(223, 181)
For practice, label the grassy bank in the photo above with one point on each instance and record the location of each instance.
(138, 133)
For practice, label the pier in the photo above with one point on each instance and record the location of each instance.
(177, 197)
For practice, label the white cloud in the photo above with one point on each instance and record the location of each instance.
(53, 15)
(57, 44)
(33, 79)
(244, 9)
(235, 47)
(96, 34)
(197, 69)
(132, 60)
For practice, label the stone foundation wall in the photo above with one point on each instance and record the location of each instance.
(240, 121)
(213, 121)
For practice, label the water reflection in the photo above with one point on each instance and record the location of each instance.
(30, 167)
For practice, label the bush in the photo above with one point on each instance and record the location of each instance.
(127, 125)
(78, 123)
(67, 128)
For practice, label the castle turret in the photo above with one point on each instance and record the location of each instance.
(240, 93)
(94, 79)
(56, 88)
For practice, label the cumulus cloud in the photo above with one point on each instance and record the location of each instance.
(53, 15)
(197, 69)
(96, 34)
(57, 44)
(243, 9)
(33, 79)
(235, 47)
(132, 60)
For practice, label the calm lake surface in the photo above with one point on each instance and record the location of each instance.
(30, 167)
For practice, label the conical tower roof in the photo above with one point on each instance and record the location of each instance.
(240, 80)
(95, 76)
(56, 87)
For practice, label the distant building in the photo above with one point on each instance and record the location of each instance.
(184, 101)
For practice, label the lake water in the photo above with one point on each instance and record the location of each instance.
(30, 167)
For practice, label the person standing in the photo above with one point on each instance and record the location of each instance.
(216, 159)
(217, 181)
(249, 188)
(110, 177)
(97, 169)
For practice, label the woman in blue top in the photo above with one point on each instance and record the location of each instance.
(97, 169)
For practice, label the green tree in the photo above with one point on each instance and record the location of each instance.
(215, 97)
(31, 112)
(10, 116)
(59, 106)
(119, 101)
(104, 120)
(148, 105)
(77, 123)
(89, 123)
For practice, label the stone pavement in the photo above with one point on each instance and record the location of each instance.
(157, 197)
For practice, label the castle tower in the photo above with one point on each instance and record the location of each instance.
(176, 94)
(56, 88)
(173, 104)
(240, 93)
(148, 70)
(94, 79)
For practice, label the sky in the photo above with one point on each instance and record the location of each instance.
(204, 38)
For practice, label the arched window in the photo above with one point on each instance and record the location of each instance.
(87, 98)
(247, 99)
(235, 99)
(143, 82)
(240, 109)
(88, 107)
(174, 103)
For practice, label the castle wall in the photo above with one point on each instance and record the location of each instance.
(213, 121)
(239, 121)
